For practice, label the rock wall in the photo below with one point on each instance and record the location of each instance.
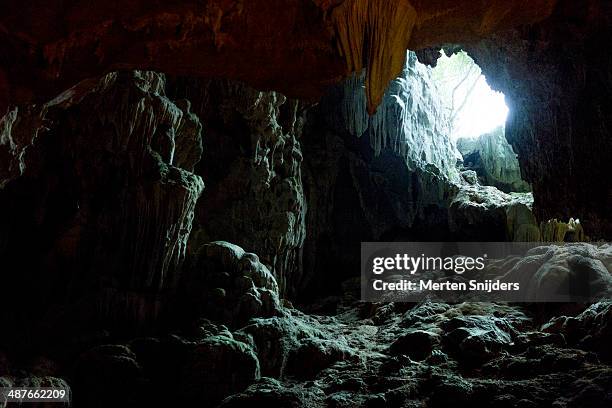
(410, 121)
(252, 169)
(386, 177)
(494, 161)
(96, 202)
(556, 79)
(393, 176)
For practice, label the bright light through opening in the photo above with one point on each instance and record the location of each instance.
(484, 111)
(474, 108)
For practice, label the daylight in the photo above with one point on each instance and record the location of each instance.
(473, 106)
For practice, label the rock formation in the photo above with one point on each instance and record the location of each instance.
(384, 177)
(555, 79)
(364, 354)
(255, 196)
(483, 213)
(494, 161)
(393, 176)
(228, 285)
(49, 47)
(120, 272)
(96, 201)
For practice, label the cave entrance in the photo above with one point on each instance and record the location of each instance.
(473, 107)
(476, 117)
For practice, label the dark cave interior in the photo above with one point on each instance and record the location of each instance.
(185, 187)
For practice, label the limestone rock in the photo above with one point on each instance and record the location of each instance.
(561, 273)
(493, 159)
(252, 167)
(410, 121)
(269, 391)
(294, 346)
(477, 338)
(229, 285)
(591, 329)
(492, 215)
(217, 367)
(470, 177)
(386, 177)
(417, 344)
(97, 199)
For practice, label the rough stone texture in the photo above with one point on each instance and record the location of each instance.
(556, 81)
(386, 177)
(229, 285)
(484, 213)
(494, 161)
(96, 202)
(393, 176)
(296, 345)
(410, 120)
(252, 169)
(591, 329)
(483, 354)
(551, 272)
(545, 273)
(271, 392)
(295, 45)
(423, 355)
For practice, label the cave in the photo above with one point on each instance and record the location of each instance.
(477, 120)
(192, 192)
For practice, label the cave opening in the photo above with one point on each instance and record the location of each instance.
(474, 108)
(476, 116)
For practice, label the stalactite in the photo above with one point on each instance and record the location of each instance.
(410, 120)
(374, 34)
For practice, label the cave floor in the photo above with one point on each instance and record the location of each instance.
(437, 354)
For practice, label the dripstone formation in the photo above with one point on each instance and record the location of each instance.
(97, 202)
(184, 187)
(252, 164)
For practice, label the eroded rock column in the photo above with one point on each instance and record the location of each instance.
(96, 201)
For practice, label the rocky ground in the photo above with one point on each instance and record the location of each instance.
(336, 352)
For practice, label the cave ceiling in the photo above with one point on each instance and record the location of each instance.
(294, 46)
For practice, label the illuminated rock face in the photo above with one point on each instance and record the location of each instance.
(383, 177)
(493, 159)
(410, 121)
(392, 176)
